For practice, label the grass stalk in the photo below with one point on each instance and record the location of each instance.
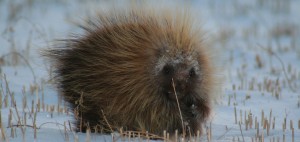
(183, 128)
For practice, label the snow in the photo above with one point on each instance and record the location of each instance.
(244, 34)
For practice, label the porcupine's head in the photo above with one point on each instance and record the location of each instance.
(183, 71)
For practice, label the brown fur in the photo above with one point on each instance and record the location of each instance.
(124, 66)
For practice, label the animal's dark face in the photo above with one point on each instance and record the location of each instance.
(178, 77)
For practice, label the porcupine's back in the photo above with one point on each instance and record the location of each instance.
(114, 71)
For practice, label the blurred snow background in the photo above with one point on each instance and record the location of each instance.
(259, 51)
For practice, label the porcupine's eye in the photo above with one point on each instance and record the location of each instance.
(192, 72)
(168, 70)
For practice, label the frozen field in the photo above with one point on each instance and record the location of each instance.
(258, 45)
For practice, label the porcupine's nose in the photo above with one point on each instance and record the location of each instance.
(181, 80)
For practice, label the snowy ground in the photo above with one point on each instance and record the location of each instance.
(259, 51)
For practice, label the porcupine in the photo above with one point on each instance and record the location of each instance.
(131, 67)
